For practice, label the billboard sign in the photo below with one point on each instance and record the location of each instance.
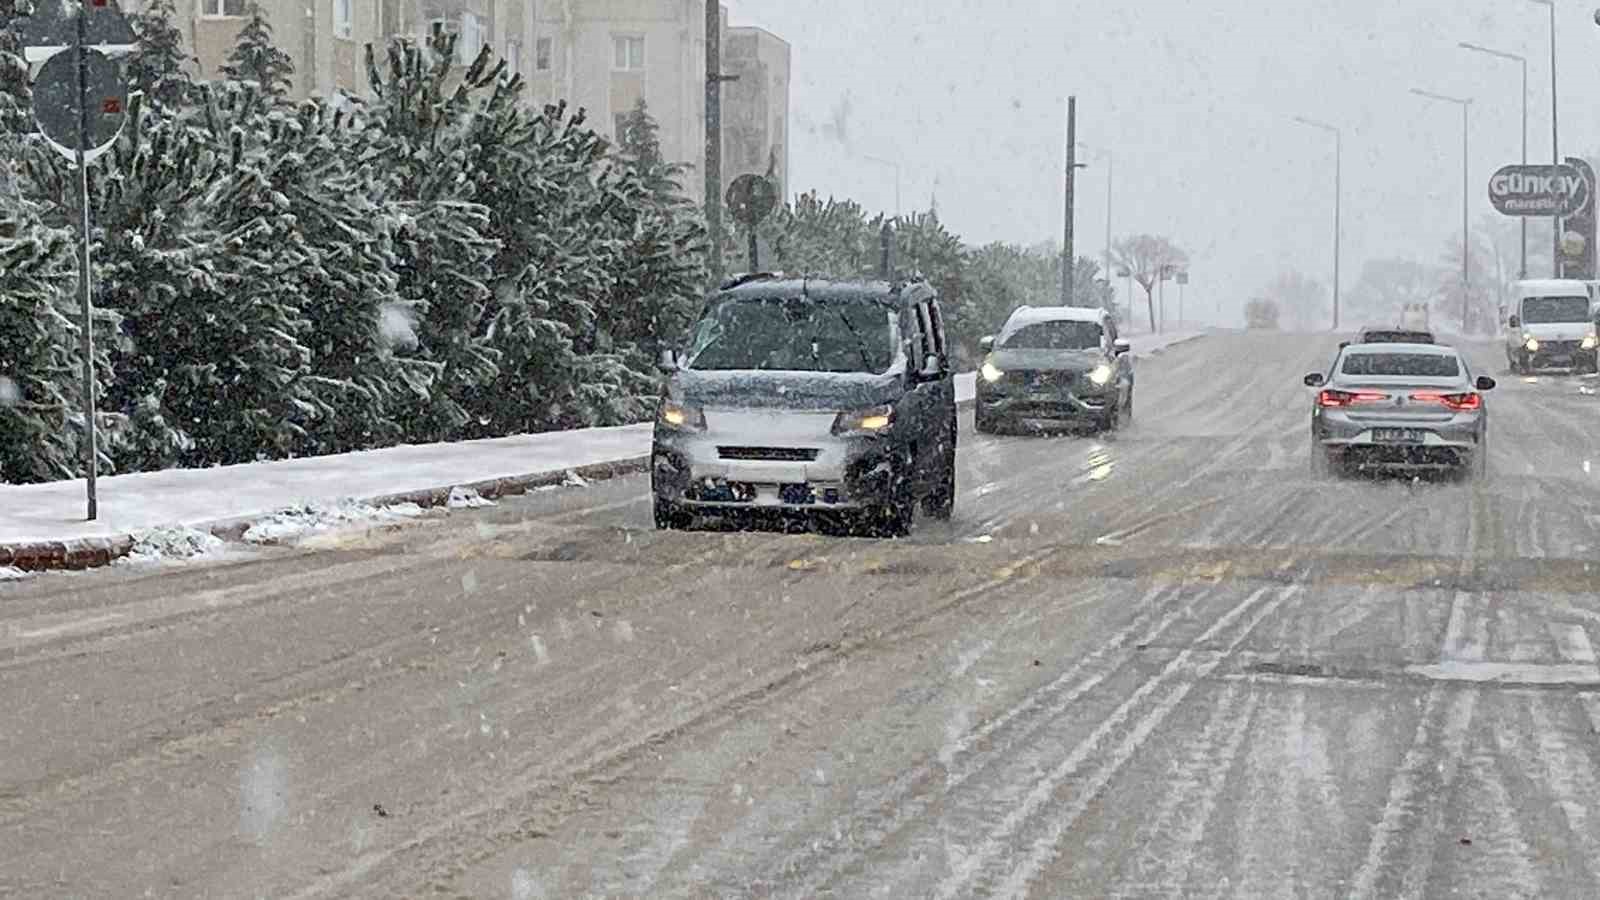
(1542, 191)
(1578, 229)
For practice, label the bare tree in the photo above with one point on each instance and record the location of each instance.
(1149, 259)
(1302, 299)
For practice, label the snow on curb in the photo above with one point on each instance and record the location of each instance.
(314, 518)
(12, 573)
(171, 543)
(467, 498)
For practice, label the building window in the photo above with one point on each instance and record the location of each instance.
(230, 8)
(544, 51)
(514, 56)
(629, 53)
(343, 19)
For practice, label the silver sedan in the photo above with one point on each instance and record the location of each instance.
(1399, 406)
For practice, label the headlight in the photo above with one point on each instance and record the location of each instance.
(1532, 344)
(680, 417)
(864, 421)
(990, 373)
(1100, 374)
(1590, 342)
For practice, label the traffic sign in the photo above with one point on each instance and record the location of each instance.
(53, 27)
(55, 102)
(751, 198)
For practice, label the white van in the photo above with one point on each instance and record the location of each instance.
(1551, 326)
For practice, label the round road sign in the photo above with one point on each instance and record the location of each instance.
(55, 100)
(751, 198)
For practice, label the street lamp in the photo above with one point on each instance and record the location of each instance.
(896, 167)
(1524, 61)
(1555, 133)
(1338, 175)
(1466, 192)
(1111, 162)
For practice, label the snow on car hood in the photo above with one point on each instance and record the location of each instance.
(784, 390)
(1047, 360)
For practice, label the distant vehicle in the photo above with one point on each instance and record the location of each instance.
(1552, 325)
(1055, 364)
(1399, 406)
(805, 395)
(1378, 335)
(1415, 317)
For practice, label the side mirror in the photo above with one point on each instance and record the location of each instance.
(667, 363)
(1516, 322)
(986, 342)
(1315, 379)
(1343, 344)
(1485, 383)
(1121, 346)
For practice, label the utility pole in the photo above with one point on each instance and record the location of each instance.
(1072, 171)
(1338, 201)
(1522, 271)
(1558, 270)
(714, 80)
(1466, 188)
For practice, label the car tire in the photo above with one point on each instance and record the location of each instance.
(896, 516)
(981, 423)
(941, 501)
(1322, 468)
(1127, 411)
(670, 516)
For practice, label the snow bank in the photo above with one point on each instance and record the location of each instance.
(10, 394)
(467, 498)
(9, 573)
(315, 518)
(172, 542)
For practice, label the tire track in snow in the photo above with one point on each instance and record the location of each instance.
(1170, 844)
(1195, 664)
(1570, 778)
(903, 803)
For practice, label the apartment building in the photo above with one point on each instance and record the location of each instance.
(327, 38)
(601, 55)
(604, 55)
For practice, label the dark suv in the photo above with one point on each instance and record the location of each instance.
(1055, 364)
(801, 395)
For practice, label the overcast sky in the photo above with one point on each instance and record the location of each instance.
(1196, 102)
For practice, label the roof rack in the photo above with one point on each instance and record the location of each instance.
(748, 277)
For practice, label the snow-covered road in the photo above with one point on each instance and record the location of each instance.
(1164, 663)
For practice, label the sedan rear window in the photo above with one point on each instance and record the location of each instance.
(1397, 337)
(1064, 335)
(1417, 365)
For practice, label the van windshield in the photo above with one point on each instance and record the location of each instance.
(1546, 310)
(1060, 335)
(794, 334)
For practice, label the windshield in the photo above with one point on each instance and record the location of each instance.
(1062, 335)
(794, 334)
(1550, 310)
(1417, 365)
(1398, 337)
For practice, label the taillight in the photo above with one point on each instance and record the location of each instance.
(1455, 402)
(1331, 399)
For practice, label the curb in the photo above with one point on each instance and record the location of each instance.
(89, 553)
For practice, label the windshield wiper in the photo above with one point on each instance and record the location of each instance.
(861, 346)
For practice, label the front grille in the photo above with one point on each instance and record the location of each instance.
(768, 454)
(1042, 380)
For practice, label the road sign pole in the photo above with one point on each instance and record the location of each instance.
(85, 271)
(755, 251)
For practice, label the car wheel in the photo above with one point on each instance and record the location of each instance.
(1127, 409)
(941, 502)
(981, 423)
(669, 516)
(895, 517)
(1321, 466)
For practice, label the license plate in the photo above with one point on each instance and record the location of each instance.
(1398, 435)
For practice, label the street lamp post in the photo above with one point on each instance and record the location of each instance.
(1111, 162)
(1523, 272)
(1555, 136)
(1338, 177)
(1466, 192)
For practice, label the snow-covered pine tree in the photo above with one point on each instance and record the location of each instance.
(40, 418)
(663, 277)
(14, 79)
(441, 244)
(159, 68)
(256, 59)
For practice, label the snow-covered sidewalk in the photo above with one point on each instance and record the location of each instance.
(43, 526)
